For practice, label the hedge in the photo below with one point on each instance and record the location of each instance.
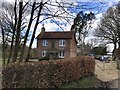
(46, 74)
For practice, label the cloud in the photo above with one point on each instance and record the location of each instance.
(110, 47)
(97, 0)
(96, 21)
(94, 25)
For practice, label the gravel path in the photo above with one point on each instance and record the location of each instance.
(106, 71)
(114, 84)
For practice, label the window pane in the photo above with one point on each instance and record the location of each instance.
(61, 42)
(61, 54)
(44, 53)
(44, 43)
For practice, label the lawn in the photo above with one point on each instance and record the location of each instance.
(86, 82)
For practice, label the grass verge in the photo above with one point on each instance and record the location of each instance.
(86, 82)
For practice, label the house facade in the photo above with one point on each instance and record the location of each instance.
(54, 45)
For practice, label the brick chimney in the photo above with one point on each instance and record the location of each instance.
(42, 29)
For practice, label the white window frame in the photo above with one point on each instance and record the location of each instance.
(44, 43)
(61, 54)
(61, 42)
(44, 53)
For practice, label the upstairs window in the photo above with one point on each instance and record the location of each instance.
(44, 43)
(61, 54)
(61, 42)
(44, 53)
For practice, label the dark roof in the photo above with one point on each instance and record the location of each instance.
(56, 35)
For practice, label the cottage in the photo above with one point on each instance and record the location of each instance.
(54, 45)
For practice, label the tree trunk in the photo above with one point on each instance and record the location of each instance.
(118, 55)
(18, 33)
(33, 35)
(3, 46)
(27, 32)
(14, 29)
(114, 51)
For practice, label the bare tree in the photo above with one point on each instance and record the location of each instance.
(33, 35)
(18, 28)
(109, 28)
(27, 32)
(8, 21)
(3, 45)
(11, 48)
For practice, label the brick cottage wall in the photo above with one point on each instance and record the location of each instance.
(41, 48)
(47, 74)
(73, 47)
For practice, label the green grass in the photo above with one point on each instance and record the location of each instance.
(86, 82)
(1, 57)
(0, 68)
(1, 62)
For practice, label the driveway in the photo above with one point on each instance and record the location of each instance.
(106, 71)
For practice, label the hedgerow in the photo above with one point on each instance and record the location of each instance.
(47, 74)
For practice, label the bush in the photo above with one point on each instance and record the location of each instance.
(47, 74)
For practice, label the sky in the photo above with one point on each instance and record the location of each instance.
(91, 6)
(50, 26)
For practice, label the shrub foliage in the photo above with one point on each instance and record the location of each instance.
(47, 74)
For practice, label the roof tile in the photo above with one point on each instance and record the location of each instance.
(56, 35)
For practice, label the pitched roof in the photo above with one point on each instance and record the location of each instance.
(56, 35)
